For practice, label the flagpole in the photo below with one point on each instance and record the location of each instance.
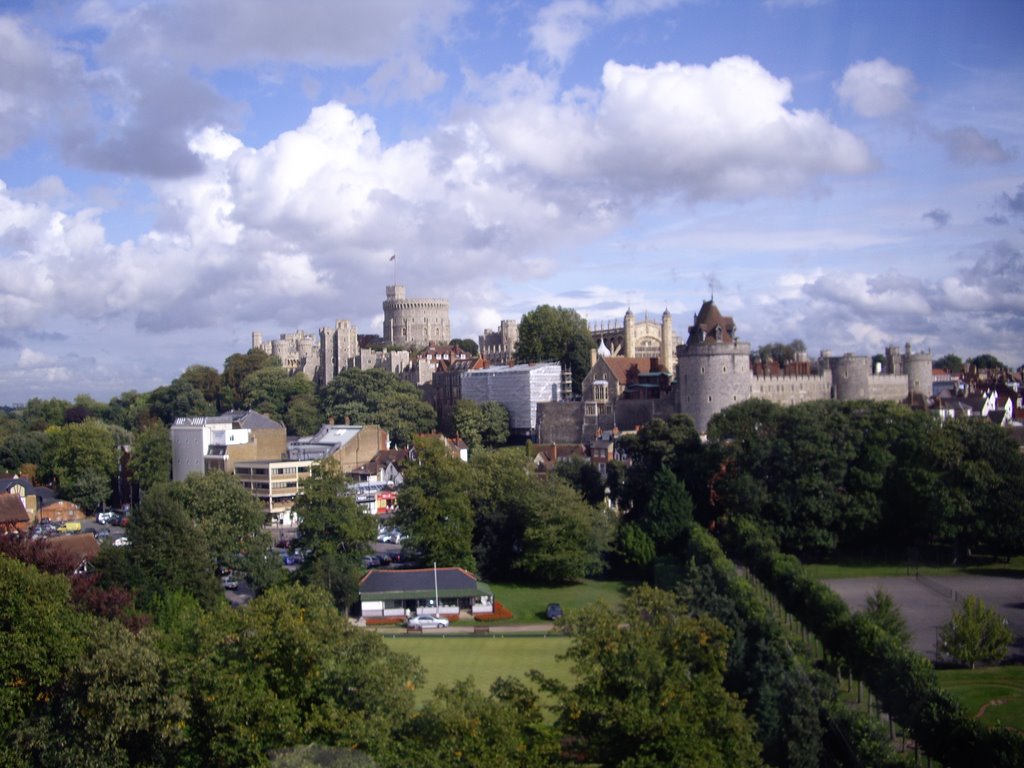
(437, 600)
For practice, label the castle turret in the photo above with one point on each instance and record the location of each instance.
(629, 335)
(918, 366)
(667, 355)
(850, 377)
(414, 322)
(713, 368)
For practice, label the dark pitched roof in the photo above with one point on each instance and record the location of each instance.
(621, 367)
(710, 326)
(11, 509)
(419, 583)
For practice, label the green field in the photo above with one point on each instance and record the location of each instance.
(527, 602)
(449, 658)
(999, 691)
(1014, 569)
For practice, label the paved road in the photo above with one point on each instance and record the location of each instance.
(928, 602)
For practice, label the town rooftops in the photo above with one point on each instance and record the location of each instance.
(239, 419)
(330, 438)
(12, 511)
(418, 583)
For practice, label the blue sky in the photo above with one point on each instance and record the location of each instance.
(175, 175)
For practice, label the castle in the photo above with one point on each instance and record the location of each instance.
(713, 370)
(640, 370)
(409, 323)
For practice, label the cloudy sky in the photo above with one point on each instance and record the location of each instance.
(176, 174)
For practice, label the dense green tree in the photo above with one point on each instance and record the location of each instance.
(434, 510)
(584, 477)
(205, 380)
(564, 539)
(950, 362)
(177, 400)
(38, 414)
(168, 551)
(336, 532)
(481, 424)
(556, 334)
(302, 416)
(461, 725)
(272, 391)
(229, 518)
(529, 527)
(634, 546)
(21, 448)
(289, 669)
(987, 361)
(673, 443)
(42, 638)
(236, 368)
(150, 461)
(975, 633)
(82, 458)
(130, 410)
(882, 611)
(669, 513)
(647, 687)
(117, 707)
(378, 397)
(466, 345)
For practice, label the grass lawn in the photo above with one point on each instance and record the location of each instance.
(450, 658)
(527, 602)
(999, 690)
(1013, 569)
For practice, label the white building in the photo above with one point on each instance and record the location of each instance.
(200, 444)
(518, 387)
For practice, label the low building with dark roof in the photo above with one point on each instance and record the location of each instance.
(432, 591)
(13, 515)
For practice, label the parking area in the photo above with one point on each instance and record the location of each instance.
(927, 602)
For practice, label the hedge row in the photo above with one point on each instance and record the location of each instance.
(809, 721)
(903, 680)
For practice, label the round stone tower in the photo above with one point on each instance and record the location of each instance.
(415, 322)
(667, 357)
(628, 335)
(918, 366)
(850, 374)
(713, 367)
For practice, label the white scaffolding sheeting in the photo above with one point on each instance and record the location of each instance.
(518, 387)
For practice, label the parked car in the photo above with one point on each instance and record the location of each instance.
(554, 611)
(229, 582)
(102, 534)
(121, 541)
(423, 621)
(70, 526)
(106, 517)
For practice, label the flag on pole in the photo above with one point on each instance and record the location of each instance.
(393, 256)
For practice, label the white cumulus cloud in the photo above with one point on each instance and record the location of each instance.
(876, 88)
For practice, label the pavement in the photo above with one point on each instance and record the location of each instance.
(928, 602)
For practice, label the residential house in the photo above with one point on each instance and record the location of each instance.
(377, 482)
(13, 515)
(434, 591)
